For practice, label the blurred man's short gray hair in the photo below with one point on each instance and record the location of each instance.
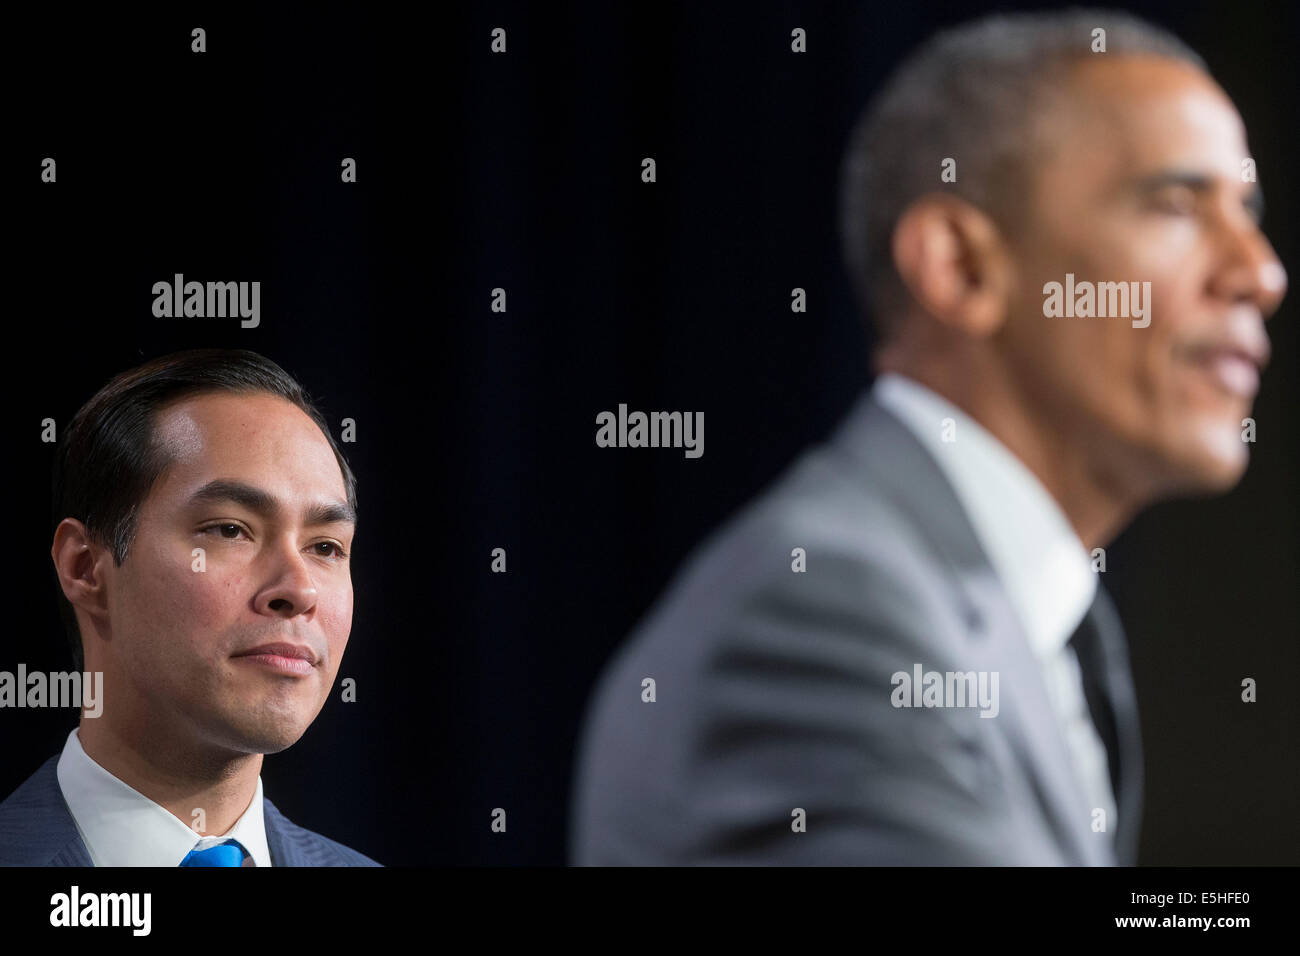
(971, 93)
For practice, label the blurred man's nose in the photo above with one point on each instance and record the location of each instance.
(1250, 269)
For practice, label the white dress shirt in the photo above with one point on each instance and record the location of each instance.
(1034, 551)
(122, 827)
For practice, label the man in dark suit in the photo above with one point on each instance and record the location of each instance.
(901, 652)
(204, 518)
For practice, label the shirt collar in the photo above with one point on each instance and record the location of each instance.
(1044, 567)
(122, 827)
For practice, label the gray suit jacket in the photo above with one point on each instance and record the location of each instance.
(773, 691)
(37, 829)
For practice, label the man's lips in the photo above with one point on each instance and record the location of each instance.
(282, 656)
(1234, 362)
(1231, 371)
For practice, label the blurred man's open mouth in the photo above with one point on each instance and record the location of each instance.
(1233, 360)
(1230, 370)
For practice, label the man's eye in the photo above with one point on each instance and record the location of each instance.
(1179, 202)
(338, 551)
(223, 528)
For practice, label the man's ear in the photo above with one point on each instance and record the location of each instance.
(78, 562)
(952, 259)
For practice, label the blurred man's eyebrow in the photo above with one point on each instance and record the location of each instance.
(1201, 183)
(264, 504)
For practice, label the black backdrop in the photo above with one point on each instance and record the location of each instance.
(475, 429)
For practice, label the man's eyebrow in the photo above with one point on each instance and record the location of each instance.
(1201, 183)
(264, 504)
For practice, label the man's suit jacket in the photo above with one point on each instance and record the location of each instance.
(37, 829)
(773, 691)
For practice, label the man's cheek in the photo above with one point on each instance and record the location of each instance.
(205, 598)
(1166, 372)
(335, 620)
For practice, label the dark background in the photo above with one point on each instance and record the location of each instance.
(476, 429)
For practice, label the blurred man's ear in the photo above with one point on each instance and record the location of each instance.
(953, 262)
(78, 562)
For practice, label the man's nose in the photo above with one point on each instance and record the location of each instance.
(1251, 270)
(294, 589)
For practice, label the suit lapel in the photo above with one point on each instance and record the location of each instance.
(49, 835)
(902, 467)
(284, 852)
(1032, 725)
(73, 853)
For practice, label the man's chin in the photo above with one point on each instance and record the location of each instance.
(1214, 464)
(264, 744)
(268, 735)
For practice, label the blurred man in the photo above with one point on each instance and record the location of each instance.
(901, 653)
(204, 522)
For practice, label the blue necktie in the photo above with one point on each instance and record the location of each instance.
(230, 853)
